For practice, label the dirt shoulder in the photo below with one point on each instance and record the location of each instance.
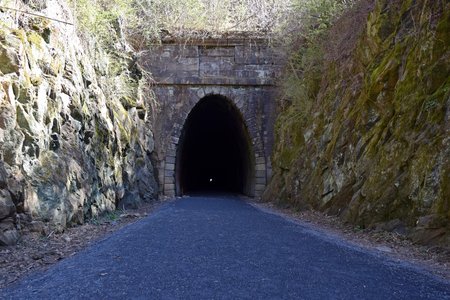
(436, 260)
(38, 251)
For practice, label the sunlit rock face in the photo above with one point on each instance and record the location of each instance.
(373, 146)
(75, 135)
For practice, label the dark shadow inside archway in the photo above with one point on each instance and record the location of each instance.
(214, 152)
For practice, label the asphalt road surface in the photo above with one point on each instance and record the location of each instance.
(223, 248)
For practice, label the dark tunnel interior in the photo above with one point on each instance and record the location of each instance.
(214, 152)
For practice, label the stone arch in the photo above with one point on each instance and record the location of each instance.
(256, 181)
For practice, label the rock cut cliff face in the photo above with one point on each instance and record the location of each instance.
(75, 135)
(372, 144)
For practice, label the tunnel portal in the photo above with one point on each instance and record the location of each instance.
(214, 152)
(185, 72)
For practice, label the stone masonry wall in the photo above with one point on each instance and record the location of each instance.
(243, 71)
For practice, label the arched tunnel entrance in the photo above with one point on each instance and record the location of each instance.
(214, 152)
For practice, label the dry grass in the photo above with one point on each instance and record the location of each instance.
(145, 22)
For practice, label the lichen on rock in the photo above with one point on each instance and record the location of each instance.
(70, 146)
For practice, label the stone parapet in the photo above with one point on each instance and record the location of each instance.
(215, 62)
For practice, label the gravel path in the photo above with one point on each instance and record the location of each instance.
(223, 248)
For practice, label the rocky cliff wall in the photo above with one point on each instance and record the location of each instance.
(371, 141)
(75, 135)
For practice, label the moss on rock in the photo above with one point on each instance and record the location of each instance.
(374, 146)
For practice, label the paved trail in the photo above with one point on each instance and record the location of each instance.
(223, 248)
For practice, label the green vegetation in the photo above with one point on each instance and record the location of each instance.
(105, 18)
(149, 21)
(152, 19)
(305, 32)
(362, 128)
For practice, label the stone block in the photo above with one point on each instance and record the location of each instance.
(221, 51)
(260, 173)
(187, 60)
(249, 54)
(169, 190)
(260, 187)
(222, 60)
(171, 159)
(258, 167)
(217, 66)
(165, 52)
(214, 80)
(169, 173)
(170, 167)
(169, 187)
(257, 54)
(187, 51)
(261, 180)
(250, 78)
(179, 68)
(260, 160)
(255, 75)
(172, 149)
(169, 179)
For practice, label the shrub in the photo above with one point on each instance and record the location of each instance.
(303, 34)
(147, 19)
